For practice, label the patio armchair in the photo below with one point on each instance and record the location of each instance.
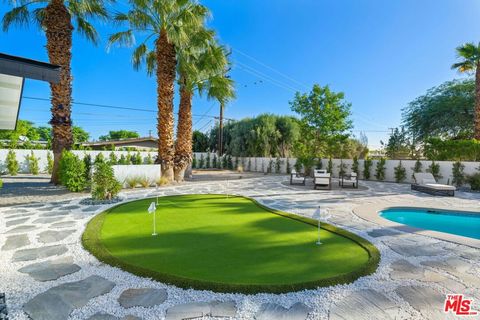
(321, 178)
(351, 178)
(297, 178)
(425, 182)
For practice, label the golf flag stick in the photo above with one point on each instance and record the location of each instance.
(153, 209)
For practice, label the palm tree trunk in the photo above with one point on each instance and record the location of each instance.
(477, 102)
(183, 147)
(59, 45)
(166, 65)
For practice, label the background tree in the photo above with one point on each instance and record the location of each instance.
(324, 122)
(200, 141)
(165, 27)
(57, 18)
(469, 55)
(445, 111)
(398, 145)
(119, 134)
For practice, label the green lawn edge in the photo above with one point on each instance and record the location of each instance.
(92, 243)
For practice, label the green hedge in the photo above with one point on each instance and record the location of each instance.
(452, 150)
(91, 242)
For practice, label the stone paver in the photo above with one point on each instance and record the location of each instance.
(382, 232)
(50, 270)
(58, 302)
(106, 316)
(425, 300)
(53, 236)
(20, 229)
(16, 222)
(143, 297)
(402, 269)
(63, 224)
(365, 304)
(15, 242)
(45, 220)
(38, 253)
(413, 250)
(272, 311)
(201, 309)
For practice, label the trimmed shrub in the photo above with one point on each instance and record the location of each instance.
(249, 164)
(298, 166)
(112, 159)
(104, 184)
(289, 168)
(194, 162)
(458, 174)
(49, 167)
(224, 162)
(355, 165)
(72, 172)
(342, 168)
(474, 181)
(270, 166)
(201, 163)
(99, 158)
(207, 160)
(32, 163)
(229, 162)
(434, 169)
(236, 164)
(367, 165)
(12, 163)
(278, 165)
(330, 166)
(137, 158)
(400, 172)
(319, 164)
(123, 160)
(214, 161)
(380, 170)
(417, 167)
(87, 160)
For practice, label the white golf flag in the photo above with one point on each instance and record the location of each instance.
(316, 214)
(152, 208)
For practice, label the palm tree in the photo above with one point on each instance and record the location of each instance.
(57, 18)
(202, 62)
(469, 54)
(166, 27)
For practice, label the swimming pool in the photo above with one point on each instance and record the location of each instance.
(460, 223)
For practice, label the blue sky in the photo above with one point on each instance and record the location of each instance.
(382, 54)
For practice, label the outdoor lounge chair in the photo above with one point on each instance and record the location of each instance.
(296, 178)
(321, 178)
(425, 182)
(349, 179)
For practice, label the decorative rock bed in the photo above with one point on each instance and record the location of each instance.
(3, 307)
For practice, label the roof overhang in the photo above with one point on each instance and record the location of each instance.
(13, 71)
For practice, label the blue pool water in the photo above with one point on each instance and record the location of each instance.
(459, 223)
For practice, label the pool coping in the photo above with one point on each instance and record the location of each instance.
(371, 212)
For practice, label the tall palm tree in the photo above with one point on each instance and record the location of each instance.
(202, 62)
(469, 54)
(57, 18)
(166, 27)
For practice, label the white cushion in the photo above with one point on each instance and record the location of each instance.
(438, 186)
(429, 181)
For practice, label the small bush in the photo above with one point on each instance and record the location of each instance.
(214, 161)
(319, 164)
(355, 165)
(162, 181)
(342, 168)
(132, 181)
(123, 160)
(229, 162)
(149, 159)
(417, 167)
(434, 169)
(249, 164)
(87, 160)
(330, 166)
(194, 162)
(367, 165)
(236, 163)
(474, 181)
(49, 167)
(207, 160)
(104, 184)
(288, 167)
(12, 163)
(458, 174)
(72, 172)
(380, 170)
(112, 159)
(400, 172)
(32, 163)
(224, 162)
(99, 158)
(145, 182)
(270, 166)
(278, 165)
(298, 166)
(201, 163)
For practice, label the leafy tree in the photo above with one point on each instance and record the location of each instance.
(72, 172)
(201, 163)
(214, 161)
(118, 135)
(324, 122)
(194, 162)
(149, 159)
(330, 166)
(123, 160)
(87, 161)
(288, 167)
(200, 141)
(469, 55)
(207, 160)
(57, 19)
(104, 184)
(99, 158)
(398, 145)
(445, 111)
(80, 135)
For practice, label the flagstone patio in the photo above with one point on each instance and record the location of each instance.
(46, 274)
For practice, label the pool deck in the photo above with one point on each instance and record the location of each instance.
(41, 255)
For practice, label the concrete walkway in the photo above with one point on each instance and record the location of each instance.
(46, 274)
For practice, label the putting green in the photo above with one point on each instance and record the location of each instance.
(227, 244)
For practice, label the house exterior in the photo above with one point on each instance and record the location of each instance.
(141, 144)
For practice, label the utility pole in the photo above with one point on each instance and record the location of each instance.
(220, 131)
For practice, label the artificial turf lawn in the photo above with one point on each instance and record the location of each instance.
(233, 241)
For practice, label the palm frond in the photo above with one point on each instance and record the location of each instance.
(139, 56)
(19, 16)
(38, 16)
(86, 29)
(151, 62)
(122, 38)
